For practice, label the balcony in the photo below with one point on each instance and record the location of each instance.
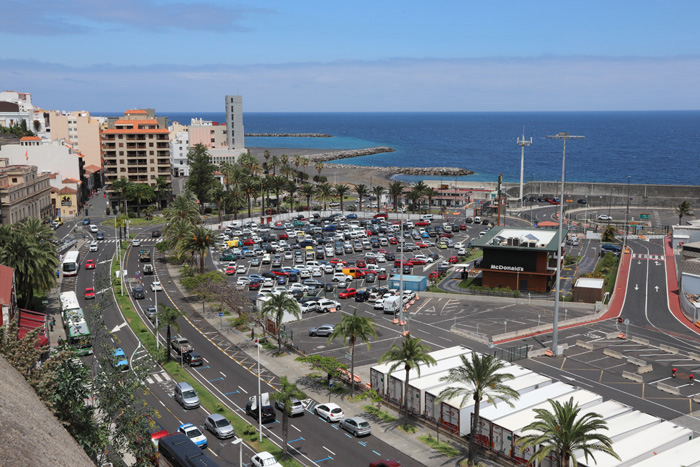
(137, 171)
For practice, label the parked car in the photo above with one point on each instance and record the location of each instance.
(331, 412)
(220, 426)
(264, 459)
(193, 359)
(296, 407)
(323, 330)
(358, 426)
(180, 345)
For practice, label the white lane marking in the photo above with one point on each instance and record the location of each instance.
(242, 389)
(329, 450)
(295, 428)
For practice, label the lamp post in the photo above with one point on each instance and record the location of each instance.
(239, 441)
(555, 334)
(522, 143)
(257, 344)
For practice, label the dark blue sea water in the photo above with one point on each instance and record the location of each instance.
(650, 147)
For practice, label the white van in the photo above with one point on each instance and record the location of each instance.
(477, 220)
(427, 217)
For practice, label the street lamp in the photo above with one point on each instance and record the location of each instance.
(240, 454)
(555, 334)
(522, 143)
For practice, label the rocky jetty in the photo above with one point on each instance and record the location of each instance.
(442, 171)
(289, 135)
(335, 155)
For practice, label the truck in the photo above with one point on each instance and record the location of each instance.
(148, 269)
(181, 345)
(391, 305)
(266, 411)
(144, 255)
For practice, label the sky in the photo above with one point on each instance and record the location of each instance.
(359, 56)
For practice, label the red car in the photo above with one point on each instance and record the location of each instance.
(335, 261)
(462, 226)
(393, 241)
(385, 463)
(90, 264)
(371, 260)
(361, 263)
(89, 293)
(382, 251)
(280, 272)
(283, 236)
(422, 245)
(231, 270)
(381, 276)
(368, 233)
(453, 260)
(415, 261)
(381, 214)
(347, 293)
(248, 242)
(446, 235)
(433, 275)
(422, 223)
(254, 285)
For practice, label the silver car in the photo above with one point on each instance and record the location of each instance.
(358, 426)
(297, 408)
(218, 425)
(323, 330)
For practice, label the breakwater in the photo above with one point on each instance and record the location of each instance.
(289, 135)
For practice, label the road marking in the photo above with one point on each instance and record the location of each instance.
(296, 429)
(222, 374)
(659, 380)
(243, 389)
(156, 377)
(332, 453)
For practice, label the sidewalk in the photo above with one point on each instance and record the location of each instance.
(295, 371)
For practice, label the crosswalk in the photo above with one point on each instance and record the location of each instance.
(648, 257)
(160, 377)
(144, 241)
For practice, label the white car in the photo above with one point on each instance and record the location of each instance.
(328, 268)
(381, 259)
(93, 246)
(268, 282)
(379, 304)
(304, 273)
(243, 281)
(316, 272)
(194, 434)
(298, 286)
(329, 411)
(266, 258)
(308, 307)
(288, 255)
(93, 228)
(462, 251)
(156, 287)
(136, 242)
(604, 217)
(264, 459)
(241, 269)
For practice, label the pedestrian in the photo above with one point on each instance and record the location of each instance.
(52, 323)
(252, 334)
(60, 258)
(58, 274)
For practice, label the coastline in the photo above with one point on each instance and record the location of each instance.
(356, 174)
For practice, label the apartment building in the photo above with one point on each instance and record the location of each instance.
(83, 132)
(24, 193)
(136, 147)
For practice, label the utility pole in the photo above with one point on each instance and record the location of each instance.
(555, 334)
(522, 143)
(498, 217)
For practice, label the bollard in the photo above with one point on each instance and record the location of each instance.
(673, 373)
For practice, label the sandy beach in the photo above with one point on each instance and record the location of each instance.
(352, 175)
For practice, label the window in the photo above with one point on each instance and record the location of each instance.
(181, 162)
(14, 180)
(213, 140)
(121, 145)
(150, 145)
(152, 161)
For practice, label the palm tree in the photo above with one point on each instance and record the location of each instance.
(291, 189)
(414, 196)
(183, 207)
(198, 243)
(341, 190)
(319, 167)
(284, 160)
(219, 195)
(283, 396)
(378, 191)
(274, 163)
(266, 155)
(411, 354)
(249, 187)
(176, 233)
(308, 191)
(278, 183)
(362, 191)
(430, 192)
(305, 163)
(297, 160)
(140, 193)
(162, 188)
(325, 192)
(123, 187)
(351, 329)
(479, 378)
(167, 318)
(683, 210)
(395, 192)
(275, 309)
(562, 432)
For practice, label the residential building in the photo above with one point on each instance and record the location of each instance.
(520, 259)
(179, 147)
(235, 136)
(16, 107)
(82, 130)
(136, 147)
(24, 193)
(28, 320)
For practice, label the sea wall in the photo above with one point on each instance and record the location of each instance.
(346, 154)
(444, 171)
(289, 135)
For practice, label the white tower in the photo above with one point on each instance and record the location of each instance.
(234, 123)
(522, 143)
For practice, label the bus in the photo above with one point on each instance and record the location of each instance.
(71, 263)
(77, 330)
(177, 450)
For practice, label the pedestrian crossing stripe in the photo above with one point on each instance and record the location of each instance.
(649, 257)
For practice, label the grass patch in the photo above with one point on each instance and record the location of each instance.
(380, 414)
(442, 448)
(407, 428)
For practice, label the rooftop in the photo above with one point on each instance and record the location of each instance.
(520, 239)
(590, 283)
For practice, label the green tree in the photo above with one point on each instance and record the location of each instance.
(341, 190)
(275, 309)
(198, 244)
(201, 176)
(430, 193)
(167, 318)
(563, 431)
(378, 192)
(123, 188)
(362, 191)
(297, 160)
(683, 209)
(162, 189)
(308, 191)
(140, 193)
(218, 195)
(291, 189)
(29, 248)
(479, 378)
(176, 233)
(283, 397)
(305, 163)
(414, 196)
(609, 233)
(395, 192)
(325, 192)
(319, 167)
(410, 355)
(353, 328)
(183, 207)
(249, 187)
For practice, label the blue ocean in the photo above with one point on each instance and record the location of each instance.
(649, 147)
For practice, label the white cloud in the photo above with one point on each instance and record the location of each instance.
(495, 84)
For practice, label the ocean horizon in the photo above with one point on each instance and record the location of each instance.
(651, 147)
